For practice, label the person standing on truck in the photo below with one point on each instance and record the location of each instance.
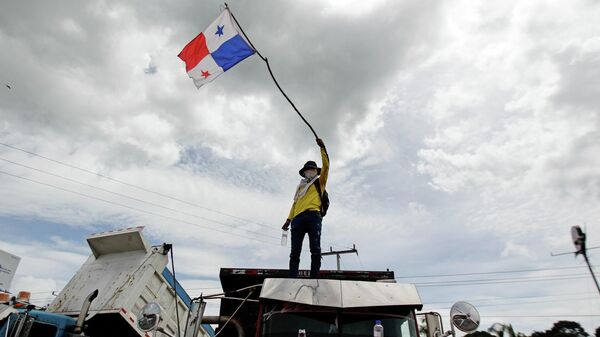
(306, 213)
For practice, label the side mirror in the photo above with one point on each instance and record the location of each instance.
(149, 317)
(433, 323)
(195, 319)
(464, 317)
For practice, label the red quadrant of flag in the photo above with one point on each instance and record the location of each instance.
(194, 52)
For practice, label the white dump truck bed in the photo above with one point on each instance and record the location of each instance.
(128, 274)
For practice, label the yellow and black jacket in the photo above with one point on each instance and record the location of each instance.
(311, 201)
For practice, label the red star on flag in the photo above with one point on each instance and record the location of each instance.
(205, 74)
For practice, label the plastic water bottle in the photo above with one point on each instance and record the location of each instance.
(378, 329)
(284, 235)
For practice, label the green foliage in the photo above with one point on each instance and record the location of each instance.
(504, 330)
(563, 329)
(479, 334)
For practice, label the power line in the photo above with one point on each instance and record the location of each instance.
(466, 283)
(502, 279)
(135, 186)
(151, 191)
(512, 298)
(134, 208)
(133, 198)
(490, 272)
(203, 288)
(479, 305)
(574, 299)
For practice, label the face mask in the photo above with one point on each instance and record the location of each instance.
(310, 173)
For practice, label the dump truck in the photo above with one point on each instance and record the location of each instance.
(106, 295)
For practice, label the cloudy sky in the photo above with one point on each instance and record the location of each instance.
(463, 137)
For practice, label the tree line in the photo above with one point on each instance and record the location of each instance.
(558, 329)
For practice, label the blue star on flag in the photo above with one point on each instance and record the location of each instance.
(220, 30)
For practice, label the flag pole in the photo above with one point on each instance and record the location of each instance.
(271, 72)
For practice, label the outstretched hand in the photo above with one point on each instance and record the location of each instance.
(320, 143)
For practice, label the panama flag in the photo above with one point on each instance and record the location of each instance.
(218, 48)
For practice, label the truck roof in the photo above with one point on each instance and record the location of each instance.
(341, 293)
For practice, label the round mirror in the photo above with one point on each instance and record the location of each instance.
(464, 316)
(149, 317)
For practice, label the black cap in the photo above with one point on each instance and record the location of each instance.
(309, 165)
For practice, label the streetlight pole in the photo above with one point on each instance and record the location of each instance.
(579, 241)
(591, 271)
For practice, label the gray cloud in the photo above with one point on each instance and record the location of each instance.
(578, 67)
(341, 65)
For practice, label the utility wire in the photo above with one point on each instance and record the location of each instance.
(133, 198)
(466, 283)
(536, 302)
(519, 303)
(490, 272)
(142, 189)
(135, 186)
(503, 279)
(513, 298)
(134, 208)
(137, 199)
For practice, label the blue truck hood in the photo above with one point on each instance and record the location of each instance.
(61, 322)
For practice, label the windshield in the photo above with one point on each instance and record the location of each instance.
(320, 324)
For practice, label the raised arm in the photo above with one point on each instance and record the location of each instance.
(325, 164)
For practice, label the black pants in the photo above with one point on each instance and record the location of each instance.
(306, 223)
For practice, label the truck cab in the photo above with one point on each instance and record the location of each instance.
(340, 303)
(265, 303)
(321, 307)
(35, 323)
